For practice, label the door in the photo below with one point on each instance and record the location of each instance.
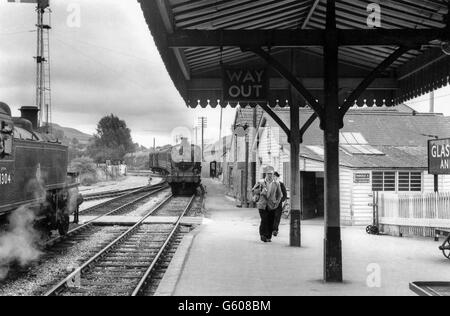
(320, 189)
(309, 196)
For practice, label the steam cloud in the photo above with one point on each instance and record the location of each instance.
(20, 243)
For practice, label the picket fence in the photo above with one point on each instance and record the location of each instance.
(416, 214)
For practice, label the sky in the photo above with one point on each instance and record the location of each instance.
(103, 61)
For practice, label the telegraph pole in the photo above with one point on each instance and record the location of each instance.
(221, 121)
(203, 123)
(43, 92)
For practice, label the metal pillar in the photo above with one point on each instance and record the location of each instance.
(330, 123)
(203, 139)
(43, 85)
(202, 121)
(295, 139)
(436, 183)
(246, 204)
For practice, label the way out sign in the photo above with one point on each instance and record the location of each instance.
(245, 85)
(439, 156)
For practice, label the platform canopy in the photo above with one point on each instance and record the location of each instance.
(198, 39)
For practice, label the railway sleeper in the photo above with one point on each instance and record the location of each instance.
(158, 238)
(131, 256)
(123, 265)
(141, 248)
(133, 259)
(111, 284)
(101, 286)
(99, 292)
(113, 276)
(112, 270)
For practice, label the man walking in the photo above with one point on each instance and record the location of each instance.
(268, 196)
(279, 211)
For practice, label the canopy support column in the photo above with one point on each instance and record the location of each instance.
(330, 124)
(295, 189)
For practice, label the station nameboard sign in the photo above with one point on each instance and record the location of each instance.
(245, 85)
(361, 178)
(439, 156)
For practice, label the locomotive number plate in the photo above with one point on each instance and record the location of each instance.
(5, 177)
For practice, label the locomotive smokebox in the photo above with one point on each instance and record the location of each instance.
(4, 109)
(30, 113)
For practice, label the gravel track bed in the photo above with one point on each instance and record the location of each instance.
(137, 251)
(142, 208)
(109, 206)
(58, 262)
(197, 209)
(117, 274)
(174, 207)
(157, 275)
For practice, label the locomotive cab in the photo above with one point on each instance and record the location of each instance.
(6, 138)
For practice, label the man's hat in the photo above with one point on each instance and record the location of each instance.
(269, 169)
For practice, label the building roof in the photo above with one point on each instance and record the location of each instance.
(400, 135)
(395, 157)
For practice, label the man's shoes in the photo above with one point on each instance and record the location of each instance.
(275, 233)
(264, 239)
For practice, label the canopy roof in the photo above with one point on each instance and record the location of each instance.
(195, 65)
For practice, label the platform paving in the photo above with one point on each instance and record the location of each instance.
(227, 258)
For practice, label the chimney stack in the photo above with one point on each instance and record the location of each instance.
(30, 113)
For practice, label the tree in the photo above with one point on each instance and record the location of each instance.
(112, 141)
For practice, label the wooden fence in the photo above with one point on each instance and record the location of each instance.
(417, 214)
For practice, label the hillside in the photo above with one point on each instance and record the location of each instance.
(71, 133)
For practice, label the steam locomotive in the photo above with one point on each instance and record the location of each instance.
(33, 171)
(181, 165)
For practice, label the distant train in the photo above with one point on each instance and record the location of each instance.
(181, 165)
(33, 171)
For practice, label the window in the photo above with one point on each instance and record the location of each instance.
(356, 144)
(20, 133)
(387, 181)
(410, 181)
(383, 181)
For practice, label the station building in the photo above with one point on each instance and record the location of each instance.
(381, 149)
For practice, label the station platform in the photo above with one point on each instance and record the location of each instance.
(226, 258)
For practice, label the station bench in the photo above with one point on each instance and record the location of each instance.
(435, 288)
(431, 288)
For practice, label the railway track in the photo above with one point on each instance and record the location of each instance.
(133, 263)
(118, 206)
(108, 194)
(121, 203)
